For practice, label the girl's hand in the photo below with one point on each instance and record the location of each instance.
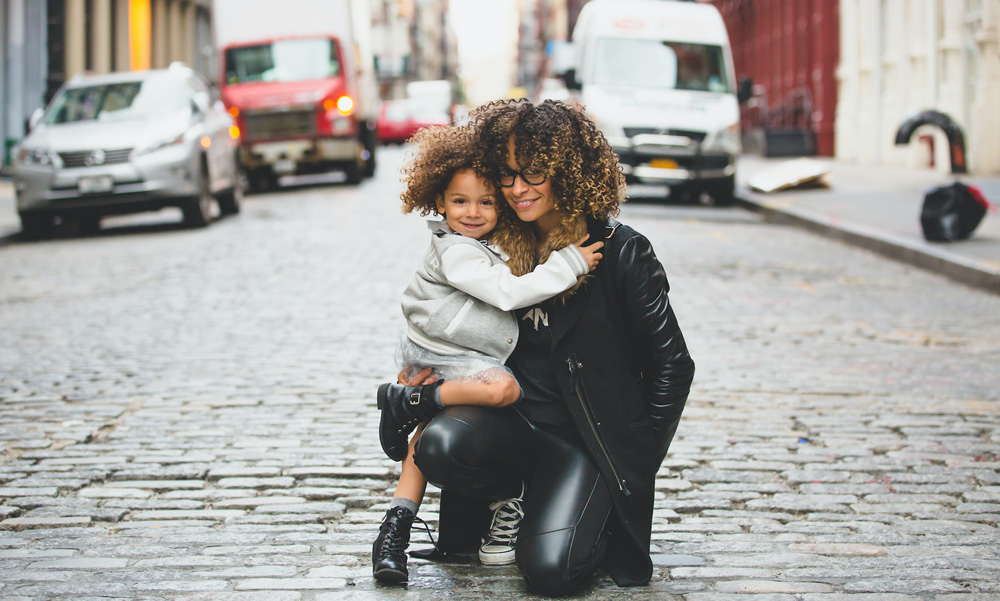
(423, 377)
(590, 254)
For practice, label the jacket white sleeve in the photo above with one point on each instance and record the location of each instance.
(468, 269)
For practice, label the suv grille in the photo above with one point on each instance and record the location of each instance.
(79, 158)
(696, 136)
(280, 124)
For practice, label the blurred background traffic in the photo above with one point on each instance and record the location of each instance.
(116, 106)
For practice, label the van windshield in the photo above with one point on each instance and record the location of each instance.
(285, 60)
(631, 62)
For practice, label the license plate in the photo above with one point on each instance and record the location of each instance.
(95, 184)
(284, 166)
(663, 163)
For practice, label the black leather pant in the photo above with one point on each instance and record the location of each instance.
(486, 453)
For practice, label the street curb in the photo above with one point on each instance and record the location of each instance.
(959, 269)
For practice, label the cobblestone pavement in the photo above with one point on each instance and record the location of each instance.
(189, 414)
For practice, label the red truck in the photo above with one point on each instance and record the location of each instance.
(299, 78)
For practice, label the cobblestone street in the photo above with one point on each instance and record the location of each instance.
(190, 414)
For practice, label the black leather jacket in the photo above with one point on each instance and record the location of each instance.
(625, 373)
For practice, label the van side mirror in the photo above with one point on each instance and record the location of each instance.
(569, 78)
(36, 117)
(746, 90)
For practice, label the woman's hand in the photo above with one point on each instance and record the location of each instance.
(423, 377)
(590, 254)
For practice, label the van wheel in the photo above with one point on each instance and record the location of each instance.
(198, 210)
(723, 191)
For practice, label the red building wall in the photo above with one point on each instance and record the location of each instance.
(791, 49)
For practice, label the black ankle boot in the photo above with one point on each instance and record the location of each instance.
(403, 407)
(389, 550)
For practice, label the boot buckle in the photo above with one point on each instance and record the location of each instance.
(414, 398)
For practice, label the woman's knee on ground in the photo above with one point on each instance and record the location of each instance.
(547, 565)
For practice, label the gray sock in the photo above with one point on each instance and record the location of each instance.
(436, 397)
(404, 502)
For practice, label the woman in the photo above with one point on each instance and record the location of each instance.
(604, 369)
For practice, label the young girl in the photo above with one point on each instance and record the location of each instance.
(459, 327)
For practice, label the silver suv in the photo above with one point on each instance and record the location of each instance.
(127, 142)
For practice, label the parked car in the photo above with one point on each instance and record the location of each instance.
(128, 142)
(400, 119)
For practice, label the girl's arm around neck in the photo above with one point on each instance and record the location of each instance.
(470, 270)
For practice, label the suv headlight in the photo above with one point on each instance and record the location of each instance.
(160, 145)
(35, 156)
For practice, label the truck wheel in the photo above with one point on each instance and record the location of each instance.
(198, 210)
(261, 180)
(36, 226)
(371, 143)
(353, 173)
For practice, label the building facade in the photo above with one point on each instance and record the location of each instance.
(790, 50)
(46, 42)
(901, 57)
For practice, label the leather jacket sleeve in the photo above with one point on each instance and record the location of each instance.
(653, 332)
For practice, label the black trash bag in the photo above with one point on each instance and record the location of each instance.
(952, 212)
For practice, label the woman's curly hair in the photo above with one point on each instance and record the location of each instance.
(439, 153)
(562, 141)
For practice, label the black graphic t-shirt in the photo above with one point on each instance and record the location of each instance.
(531, 363)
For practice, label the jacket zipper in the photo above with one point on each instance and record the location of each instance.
(581, 394)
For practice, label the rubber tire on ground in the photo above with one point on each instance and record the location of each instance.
(89, 224)
(198, 210)
(261, 180)
(722, 191)
(371, 143)
(231, 199)
(353, 173)
(36, 226)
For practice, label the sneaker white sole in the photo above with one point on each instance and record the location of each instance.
(497, 559)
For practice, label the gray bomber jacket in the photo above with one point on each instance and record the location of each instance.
(462, 294)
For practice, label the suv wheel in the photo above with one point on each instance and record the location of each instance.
(198, 210)
(229, 200)
(35, 225)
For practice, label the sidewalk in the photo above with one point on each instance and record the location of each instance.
(878, 208)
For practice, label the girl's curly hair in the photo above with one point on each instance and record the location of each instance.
(562, 141)
(439, 153)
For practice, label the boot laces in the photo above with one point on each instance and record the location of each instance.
(507, 515)
(393, 544)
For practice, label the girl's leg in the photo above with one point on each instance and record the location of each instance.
(389, 549)
(493, 388)
(412, 483)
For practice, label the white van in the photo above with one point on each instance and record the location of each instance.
(657, 77)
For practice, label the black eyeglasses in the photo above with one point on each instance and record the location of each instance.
(532, 176)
